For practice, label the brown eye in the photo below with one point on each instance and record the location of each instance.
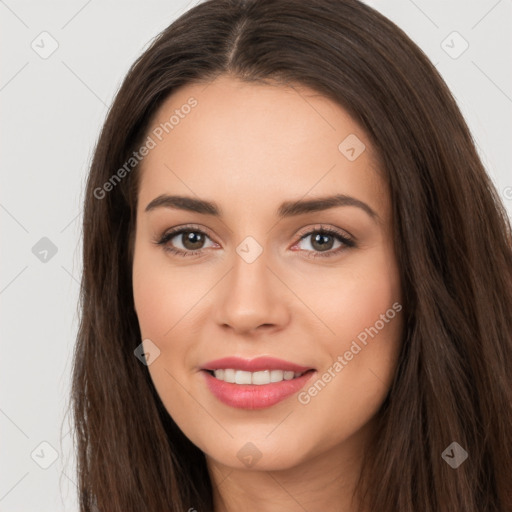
(184, 242)
(192, 240)
(322, 241)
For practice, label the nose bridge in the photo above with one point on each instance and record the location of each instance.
(251, 296)
(249, 280)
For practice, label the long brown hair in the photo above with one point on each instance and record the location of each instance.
(452, 239)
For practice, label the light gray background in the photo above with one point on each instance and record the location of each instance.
(52, 111)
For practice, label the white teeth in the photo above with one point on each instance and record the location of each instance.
(242, 377)
(261, 377)
(229, 376)
(258, 378)
(276, 375)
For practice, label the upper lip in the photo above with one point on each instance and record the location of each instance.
(255, 365)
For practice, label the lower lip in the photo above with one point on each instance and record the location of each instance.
(253, 396)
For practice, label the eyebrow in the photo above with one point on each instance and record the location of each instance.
(287, 208)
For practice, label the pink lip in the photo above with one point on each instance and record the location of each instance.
(254, 365)
(252, 396)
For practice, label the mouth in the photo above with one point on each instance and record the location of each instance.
(254, 384)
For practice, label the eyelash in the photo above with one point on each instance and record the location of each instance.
(346, 241)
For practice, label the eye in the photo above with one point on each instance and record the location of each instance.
(190, 238)
(322, 240)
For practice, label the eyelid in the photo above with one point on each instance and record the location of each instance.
(186, 227)
(323, 227)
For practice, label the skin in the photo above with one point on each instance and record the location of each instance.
(249, 147)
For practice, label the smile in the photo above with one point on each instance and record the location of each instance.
(254, 383)
(259, 378)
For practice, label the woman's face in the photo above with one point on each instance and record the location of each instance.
(255, 277)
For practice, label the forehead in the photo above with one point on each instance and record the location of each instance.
(257, 144)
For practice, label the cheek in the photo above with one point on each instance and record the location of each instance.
(362, 308)
(162, 293)
(167, 301)
(355, 300)
(154, 303)
(162, 302)
(364, 314)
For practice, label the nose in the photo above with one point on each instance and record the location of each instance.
(252, 297)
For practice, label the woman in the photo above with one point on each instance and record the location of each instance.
(297, 277)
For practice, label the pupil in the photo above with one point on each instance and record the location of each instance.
(321, 240)
(195, 239)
